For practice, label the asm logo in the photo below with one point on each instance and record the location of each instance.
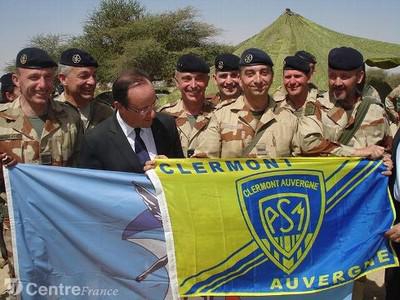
(283, 211)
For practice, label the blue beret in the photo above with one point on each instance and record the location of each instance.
(254, 56)
(226, 62)
(34, 58)
(192, 63)
(296, 63)
(345, 58)
(77, 58)
(6, 80)
(307, 56)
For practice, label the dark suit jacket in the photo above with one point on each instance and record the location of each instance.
(392, 179)
(105, 147)
(395, 145)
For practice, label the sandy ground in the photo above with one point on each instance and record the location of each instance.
(369, 289)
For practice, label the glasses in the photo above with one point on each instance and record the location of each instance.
(142, 111)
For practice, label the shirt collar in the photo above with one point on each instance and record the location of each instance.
(127, 130)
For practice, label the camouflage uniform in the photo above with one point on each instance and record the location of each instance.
(233, 127)
(98, 112)
(282, 101)
(189, 135)
(218, 103)
(57, 146)
(324, 122)
(370, 91)
(392, 104)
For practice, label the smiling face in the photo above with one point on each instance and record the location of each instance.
(343, 84)
(228, 84)
(36, 85)
(79, 84)
(192, 86)
(295, 82)
(256, 80)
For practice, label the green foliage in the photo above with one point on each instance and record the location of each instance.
(53, 44)
(120, 34)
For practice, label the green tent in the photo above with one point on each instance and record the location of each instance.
(292, 32)
(383, 62)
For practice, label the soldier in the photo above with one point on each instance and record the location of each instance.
(296, 76)
(192, 111)
(392, 105)
(342, 122)
(253, 125)
(9, 92)
(33, 128)
(226, 78)
(77, 74)
(312, 61)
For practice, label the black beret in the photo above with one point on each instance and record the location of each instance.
(192, 63)
(34, 58)
(254, 56)
(345, 58)
(77, 58)
(227, 62)
(296, 63)
(6, 80)
(307, 56)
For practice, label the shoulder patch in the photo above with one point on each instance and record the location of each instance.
(6, 137)
(167, 105)
(224, 103)
(309, 110)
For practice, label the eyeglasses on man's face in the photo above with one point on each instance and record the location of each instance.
(144, 110)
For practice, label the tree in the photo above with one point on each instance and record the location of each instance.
(121, 34)
(53, 44)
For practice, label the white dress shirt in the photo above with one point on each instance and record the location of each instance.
(145, 133)
(396, 188)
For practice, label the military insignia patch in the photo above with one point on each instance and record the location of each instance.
(248, 58)
(23, 59)
(220, 65)
(76, 59)
(278, 211)
(309, 109)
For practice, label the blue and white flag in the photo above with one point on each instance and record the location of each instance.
(86, 234)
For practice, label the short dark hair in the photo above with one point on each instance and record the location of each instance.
(7, 85)
(124, 81)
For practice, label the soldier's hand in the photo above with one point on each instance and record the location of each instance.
(151, 164)
(387, 161)
(393, 233)
(7, 160)
(372, 152)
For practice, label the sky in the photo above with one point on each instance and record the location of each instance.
(20, 20)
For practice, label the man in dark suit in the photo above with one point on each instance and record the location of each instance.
(135, 133)
(392, 275)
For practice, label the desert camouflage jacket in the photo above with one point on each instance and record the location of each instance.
(98, 111)
(58, 144)
(325, 120)
(233, 127)
(189, 135)
(283, 101)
